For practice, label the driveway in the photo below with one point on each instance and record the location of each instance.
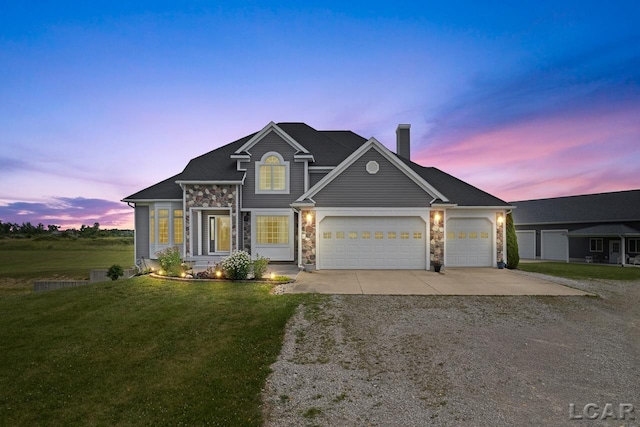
(452, 281)
(374, 360)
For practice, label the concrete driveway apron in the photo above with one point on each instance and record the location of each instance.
(452, 281)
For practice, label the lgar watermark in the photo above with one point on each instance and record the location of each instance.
(593, 411)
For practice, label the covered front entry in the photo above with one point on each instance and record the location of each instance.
(372, 243)
(469, 242)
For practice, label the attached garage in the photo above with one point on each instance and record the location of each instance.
(372, 243)
(469, 242)
(526, 244)
(554, 245)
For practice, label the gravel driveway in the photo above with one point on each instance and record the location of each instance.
(359, 360)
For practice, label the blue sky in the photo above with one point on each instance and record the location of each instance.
(101, 99)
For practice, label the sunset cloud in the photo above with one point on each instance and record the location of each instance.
(98, 102)
(68, 212)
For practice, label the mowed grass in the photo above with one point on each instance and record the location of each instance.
(24, 260)
(141, 351)
(582, 271)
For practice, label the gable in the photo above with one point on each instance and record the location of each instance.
(268, 129)
(272, 142)
(355, 187)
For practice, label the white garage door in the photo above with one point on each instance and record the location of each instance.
(526, 244)
(554, 245)
(469, 242)
(372, 243)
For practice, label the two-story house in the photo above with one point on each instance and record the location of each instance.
(332, 198)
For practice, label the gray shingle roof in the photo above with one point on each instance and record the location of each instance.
(164, 190)
(602, 207)
(329, 148)
(456, 190)
(605, 230)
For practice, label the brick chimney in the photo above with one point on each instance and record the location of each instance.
(403, 141)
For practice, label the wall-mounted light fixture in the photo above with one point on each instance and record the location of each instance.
(500, 219)
(436, 219)
(309, 218)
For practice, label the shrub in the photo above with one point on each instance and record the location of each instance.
(259, 267)
(171, 261)
(237, 265)
(115, 271)
(513, 257)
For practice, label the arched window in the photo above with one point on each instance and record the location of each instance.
(272, 174)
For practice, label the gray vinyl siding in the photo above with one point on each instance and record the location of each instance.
(142, 231)
(315, 177)
(355, 187)
(272, 142)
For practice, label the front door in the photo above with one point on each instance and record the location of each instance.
(614, 252)
(219, 234)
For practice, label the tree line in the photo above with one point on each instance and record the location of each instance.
(26, 229)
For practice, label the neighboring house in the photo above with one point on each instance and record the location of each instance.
(330, 198)
(601, 227)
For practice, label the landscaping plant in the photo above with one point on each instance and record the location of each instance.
(171, 261)
(115, 271)
(513, 257)
(259, 267)
(237, 265)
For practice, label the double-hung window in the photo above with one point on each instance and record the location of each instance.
(272, 174)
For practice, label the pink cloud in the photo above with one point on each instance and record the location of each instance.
(547, 157)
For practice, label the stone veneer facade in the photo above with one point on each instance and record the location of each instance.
(210, 196)
(246, 231)
(436, 239)
(308, 238)
(500, 236)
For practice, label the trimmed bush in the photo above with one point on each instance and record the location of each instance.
(114, 272)
(237, 265)
(513, 256)
(259, 267)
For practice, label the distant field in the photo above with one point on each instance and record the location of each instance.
(24, 260)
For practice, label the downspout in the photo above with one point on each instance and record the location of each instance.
(135, 237)
(239, 222)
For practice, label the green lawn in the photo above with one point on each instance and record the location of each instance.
(24, 260)
(141, 351)
(582, 271)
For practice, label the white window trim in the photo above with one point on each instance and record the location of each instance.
(157, 246)
(289, 247)
(286, 174)
(596, 239)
